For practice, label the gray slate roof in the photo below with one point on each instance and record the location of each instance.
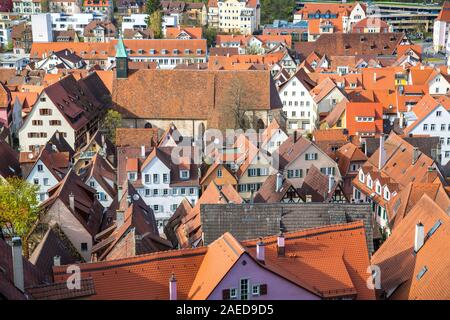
(250, 221)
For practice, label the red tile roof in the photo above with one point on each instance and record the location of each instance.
(423, 275)
(362, 109)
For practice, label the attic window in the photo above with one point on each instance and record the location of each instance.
(199, 51)
(140, 51)
(187, 51)
(152, 51)
(362, 38)
(347, 46)
(184, 174)
(175, 51)
(164, 51)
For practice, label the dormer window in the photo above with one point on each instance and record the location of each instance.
(187, 51)
(164, 51)
(175, 51)
(132, 176)
(369, 182)
(152, 51)
(199, 51)
(378, 189)
(140, 51)
(184, 174)
(387, 194)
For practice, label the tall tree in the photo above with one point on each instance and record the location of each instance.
(112, 121)
(155, 24)
(276, 9)
(152, 5)
(19, 207)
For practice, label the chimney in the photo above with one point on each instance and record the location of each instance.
(119, 193)
(72, 201)
(330, 183)
(416, 154)
(374, 77)
(280, 245)
(173, 287)
(260, 250)
(382, 153)
(56, 261)
(295, 136)
(142, 151)
(17, 258)
(419, 237)
(251, 196)
(120, 218)
(279, 182)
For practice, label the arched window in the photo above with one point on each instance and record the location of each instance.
(148, 125)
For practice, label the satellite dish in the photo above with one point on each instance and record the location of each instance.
(30, 156)
(216, 141)
(135, 197)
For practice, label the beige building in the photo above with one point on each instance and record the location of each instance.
(234, 16)
(65, 6)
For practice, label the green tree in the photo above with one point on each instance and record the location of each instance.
(151, 6)
(276, 9)
(210, 36)
(155, 24)
(19, 207)
(254, 49)
(112, 121)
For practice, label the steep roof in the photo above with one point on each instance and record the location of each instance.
(335, 268)
(268, 193)
(400, 205)
(193, 94)
(422, 275)
(9, 165)
(88, 211)
(444, 15)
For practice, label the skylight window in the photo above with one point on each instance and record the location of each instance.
(434, 228)
(421, 273)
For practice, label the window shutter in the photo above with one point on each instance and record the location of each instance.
(263, 289)
(226, 294)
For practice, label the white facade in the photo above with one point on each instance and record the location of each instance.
(438, 85)
(14, 61)
(435, 124)
(41, 123)
(299, 106)
(41, 176)
(440, 36)
(160, 195)
(77, 22)
(49, 64)
(275, 141)
(134, 22)
(5, 32)
(41, 27)
(102, 196)
(234, 16)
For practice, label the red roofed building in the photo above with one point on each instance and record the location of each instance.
(364, 118)
(322, 263)
(330, 17)
(373, 25)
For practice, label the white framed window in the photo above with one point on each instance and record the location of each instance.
(244, 289)
(184, 174)
(233, 293)
(219, 173)
(255, 290)
(165, 178)
(40, 168)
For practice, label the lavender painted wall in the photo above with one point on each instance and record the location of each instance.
(278, 288)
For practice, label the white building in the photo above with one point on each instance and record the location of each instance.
(164, 184)
(41, 27)
(47, 171)
(14, 61)
(241, 16)
(299, 106)
(77, 22)
(430, 117)
(134, 22)
(441, 28)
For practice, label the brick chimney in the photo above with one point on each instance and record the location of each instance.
(280, 245)
(419, 237)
